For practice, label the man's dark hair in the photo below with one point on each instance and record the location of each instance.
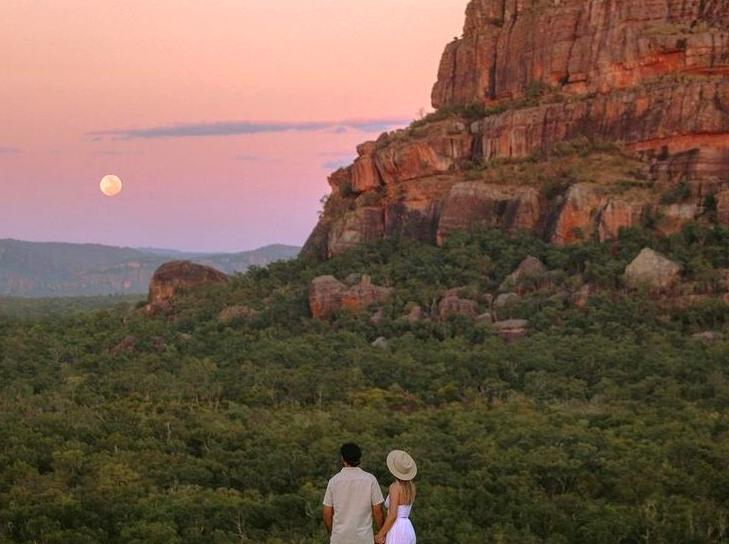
(351, 453)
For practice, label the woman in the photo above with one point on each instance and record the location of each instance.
(397, 528)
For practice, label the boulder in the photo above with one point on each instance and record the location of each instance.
(486, 317)
(378, 316)
(364, 294)
(653, 270)
(453, 305)
(415, 314)
(176, 276)
(527, 274)
(506, 300)
(581, 297)
(381, 343)
(511, 329)
(708, 337)
(327, 296)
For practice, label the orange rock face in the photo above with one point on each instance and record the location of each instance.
(435, 150)
(525, 81)
(365, 176)
(327, 296)
(619, 214)
(475, 204)
(361, 226)
(579, 47)
(579, 214)
(453, 305)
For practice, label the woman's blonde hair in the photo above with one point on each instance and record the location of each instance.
(408, 488)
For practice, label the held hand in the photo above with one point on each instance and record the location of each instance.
(380, 539)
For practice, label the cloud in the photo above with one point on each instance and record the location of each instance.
(9, 150)
(115, 153)
(239, 128)
(248, 158)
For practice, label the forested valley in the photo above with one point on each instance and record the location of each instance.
(608, 423)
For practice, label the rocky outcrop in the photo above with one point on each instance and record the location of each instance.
(415, 313)
(381, 343)
(589, 213)
(506, 300)
(360, 226)
(453, 305)
(364, 294)
(474, 204)
(176, 276)
(528, 274)
(512, 329)
(652, 270)
(526, 81)
(672, 115)
(327, 296)
(509, 47)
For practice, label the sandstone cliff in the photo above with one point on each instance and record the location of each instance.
(570, 119)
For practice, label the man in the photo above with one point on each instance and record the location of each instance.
(352, 501)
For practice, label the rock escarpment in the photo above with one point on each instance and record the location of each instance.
(581, 46)
(569, 119)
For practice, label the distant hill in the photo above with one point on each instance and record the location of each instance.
(50, 269)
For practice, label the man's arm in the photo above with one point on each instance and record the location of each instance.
(378, 514)
(327, 512)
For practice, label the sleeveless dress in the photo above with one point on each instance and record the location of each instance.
(402, 532)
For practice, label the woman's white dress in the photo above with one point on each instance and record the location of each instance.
(402, 532)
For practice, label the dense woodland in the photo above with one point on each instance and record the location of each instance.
(607, 424)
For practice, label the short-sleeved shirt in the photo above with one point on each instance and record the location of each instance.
(352, 493)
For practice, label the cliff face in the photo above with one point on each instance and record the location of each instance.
(567, 118)
(580, 46)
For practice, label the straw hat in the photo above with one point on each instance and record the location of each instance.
(401, 465)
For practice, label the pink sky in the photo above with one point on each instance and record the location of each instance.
(79, 75)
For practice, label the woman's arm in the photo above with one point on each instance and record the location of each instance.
(391, 513)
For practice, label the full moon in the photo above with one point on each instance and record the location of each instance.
(110, 185)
